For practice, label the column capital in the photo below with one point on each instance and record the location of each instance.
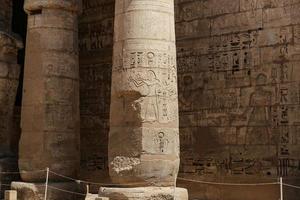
(31, 6)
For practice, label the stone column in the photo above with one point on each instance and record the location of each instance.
(144, 128)
(50, 108)
(9, 80)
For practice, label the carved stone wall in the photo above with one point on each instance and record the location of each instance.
(238, 64)
(95, 42)
(5, 15)
(9, 80)
(239, 93)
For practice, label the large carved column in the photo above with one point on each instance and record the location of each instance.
(9, 80)
(144, 127)
(50, 109)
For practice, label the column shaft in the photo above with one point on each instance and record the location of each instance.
(9, 81)
(144, 135)
(50, 107)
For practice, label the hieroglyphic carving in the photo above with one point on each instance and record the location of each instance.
(161, 141)
(94, 7)
(50, 104)
(157, 88)
(96, 36)
(9, 80)
(238, 89)
(150, 59)
(144, 100)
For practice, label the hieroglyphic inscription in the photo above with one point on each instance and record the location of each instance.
(161, 141)
(239, 90)
(145, 59)
(95, 34)
(152, 74)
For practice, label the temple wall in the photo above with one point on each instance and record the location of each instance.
(239, 93)
(95, 42)
(5, 15)
(9, 80)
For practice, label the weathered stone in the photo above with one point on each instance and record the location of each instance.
(10, 195)
(238, 74)
(144, 104)
(56, 191)
(95, 197)
(237, 22)
(5, 15)
(237, 98)
(50, 109)
(144, 193)
(9, 80)
(91, 196)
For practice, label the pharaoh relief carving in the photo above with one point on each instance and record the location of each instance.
(154, 77)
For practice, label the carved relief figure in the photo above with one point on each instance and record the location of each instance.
(150, 84)
(162, 142)
(187, 96)
(258, 131)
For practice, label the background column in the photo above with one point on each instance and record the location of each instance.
(9, 80)
(50, 110)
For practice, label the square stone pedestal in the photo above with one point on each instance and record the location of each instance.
(144, 193)
(36, 191)
(95, 197)
(10, 195)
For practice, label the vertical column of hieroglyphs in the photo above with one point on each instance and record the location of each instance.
(144, 138)
(238, 64)
(50, 110)
(9, 79)
(95, 61)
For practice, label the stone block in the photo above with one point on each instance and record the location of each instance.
(91, 196)
(237, 22)
(144, 193)
(95, 197)
(56, 191)
(277, 17)
(10, 195)
(196, 28)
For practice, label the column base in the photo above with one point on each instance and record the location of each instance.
(36, 191)
(144, 193)
(95, 197)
